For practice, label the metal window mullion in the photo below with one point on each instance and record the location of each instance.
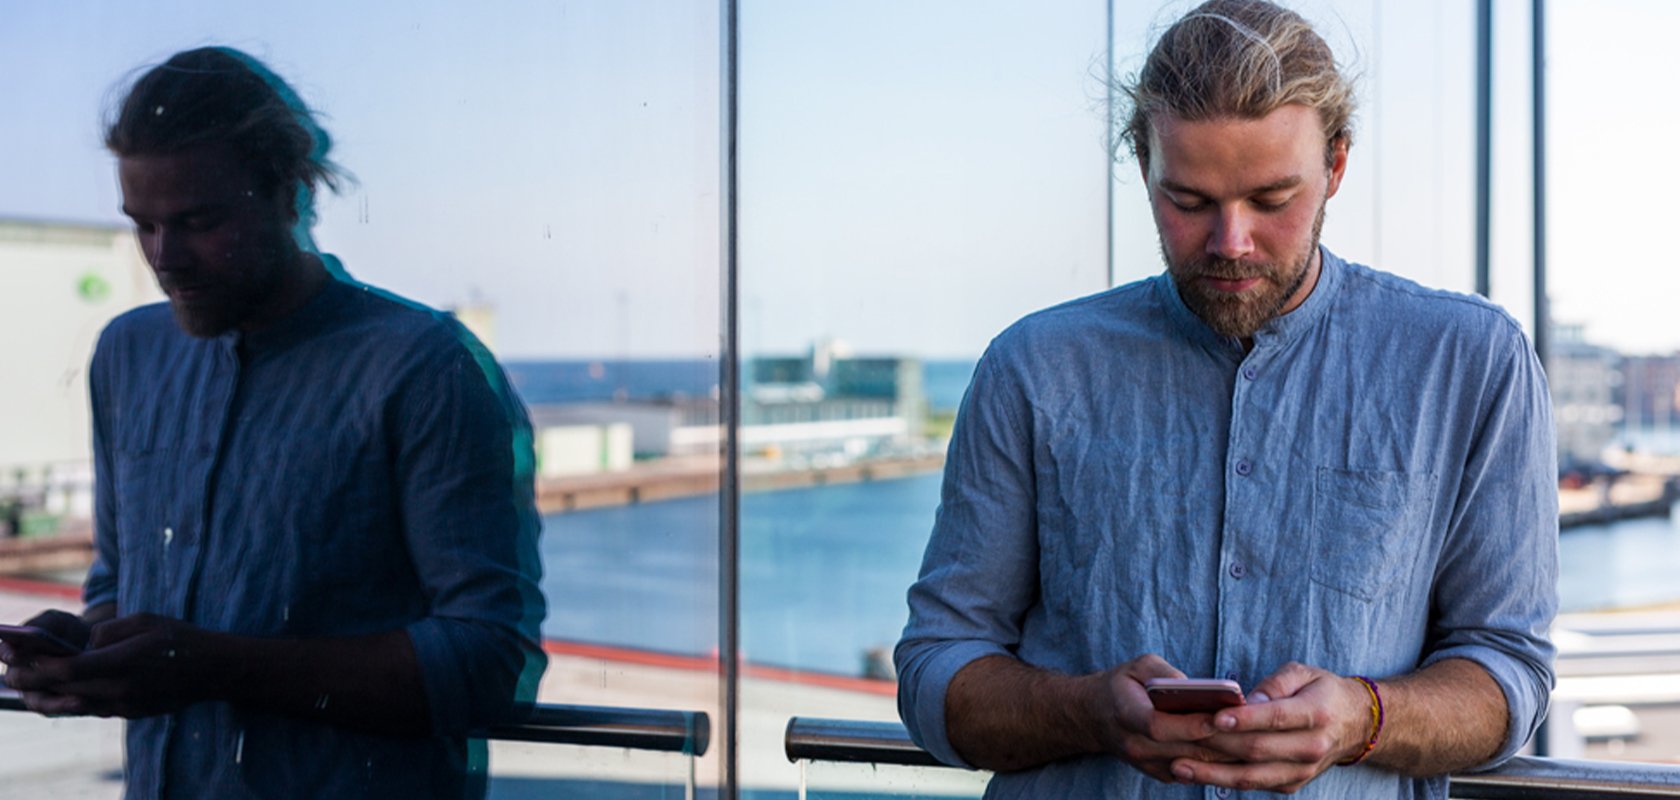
(729, 590)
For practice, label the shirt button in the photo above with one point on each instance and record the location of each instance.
(1243, 467)
(1250, 372)
(1222, 792)
(1238, 571)
(1230, 676)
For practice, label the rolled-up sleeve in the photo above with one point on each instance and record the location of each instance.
(465, 474)
(980, 571)
(1496, 591)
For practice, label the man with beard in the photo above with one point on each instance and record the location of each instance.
(316, 539)
(1322, 482)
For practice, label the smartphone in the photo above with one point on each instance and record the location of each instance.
(1193, 695)
(40, 641)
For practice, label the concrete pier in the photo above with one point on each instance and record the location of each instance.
(1627, 497)
(690, 476)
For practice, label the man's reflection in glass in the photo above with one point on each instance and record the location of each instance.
(316, 539)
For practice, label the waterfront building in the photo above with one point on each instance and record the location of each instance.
(1650, 391)
(828, 404)
(652, 427)
(821, 408)
(1585, 379)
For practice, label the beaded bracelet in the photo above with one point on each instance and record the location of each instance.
(1376, 721)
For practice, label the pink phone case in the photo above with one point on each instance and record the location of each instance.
(1193, 695)
(37, 640)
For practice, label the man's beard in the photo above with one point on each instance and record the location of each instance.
(209, 322)
(226, 300)
(1239, 315)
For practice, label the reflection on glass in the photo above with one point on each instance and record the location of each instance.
(547, 173)
(80, 758)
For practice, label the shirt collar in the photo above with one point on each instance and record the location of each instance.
(1282, 330)
(308, 320)
(1277, 331)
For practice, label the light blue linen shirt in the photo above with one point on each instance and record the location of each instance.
(1369, 490)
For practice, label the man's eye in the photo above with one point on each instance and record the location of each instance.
(1186, 205)
(1270, 203)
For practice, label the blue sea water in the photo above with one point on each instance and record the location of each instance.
(1621, 565)
(823, 572)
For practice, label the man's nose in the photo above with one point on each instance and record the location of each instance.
(1232, 236)
(164, 249)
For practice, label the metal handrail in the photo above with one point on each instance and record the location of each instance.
(1568, 779)
(603, 726)
(855, 741)
(590, 726)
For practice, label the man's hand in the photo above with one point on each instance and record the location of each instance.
(1154, 740)
(134, 666)
(1299, 722)
(142, 665)
(23, 665)
(1004, 715)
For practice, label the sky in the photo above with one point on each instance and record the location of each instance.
(913, 175)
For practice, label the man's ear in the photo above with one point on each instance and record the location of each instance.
(1338, 165)
(286, 197)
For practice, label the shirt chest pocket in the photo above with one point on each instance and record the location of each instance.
(342, 518)
(1367, 528)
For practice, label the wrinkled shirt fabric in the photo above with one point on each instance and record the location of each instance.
(1372, 488)
(358, 468)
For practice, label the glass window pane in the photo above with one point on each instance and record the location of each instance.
(913, 178)
(547, 172)
(1613, 365)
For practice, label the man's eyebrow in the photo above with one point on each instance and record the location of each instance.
(1275, 186)
(201, 208)
(1279, 185)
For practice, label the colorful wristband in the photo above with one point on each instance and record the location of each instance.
(1376, 721)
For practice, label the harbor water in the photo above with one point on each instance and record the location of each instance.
(1630, 564)
(823, 572)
